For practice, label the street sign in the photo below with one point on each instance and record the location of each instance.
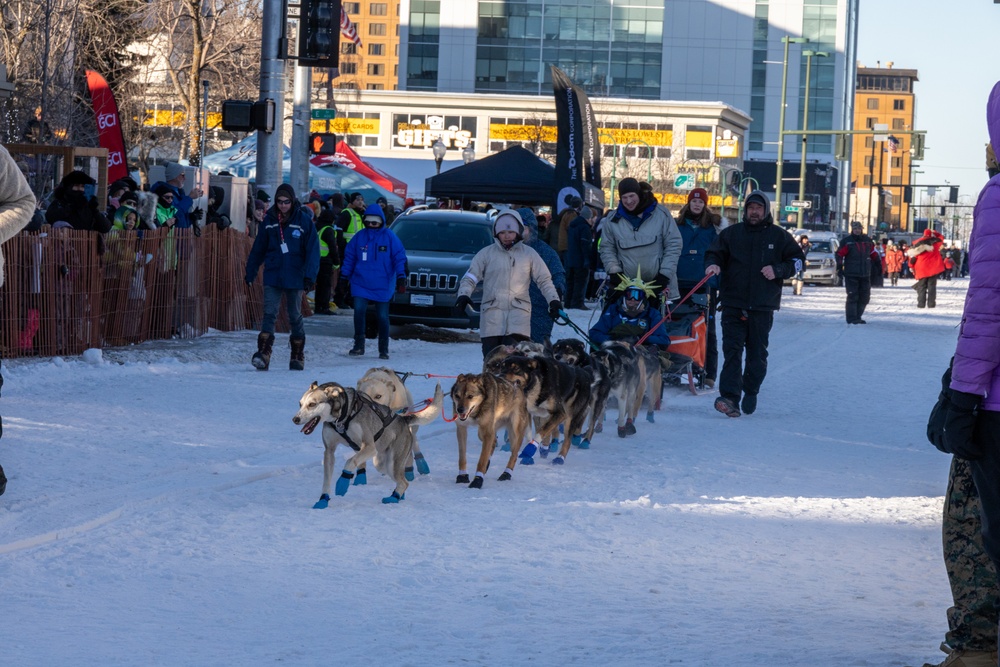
(323, 114)
(684, 181)
(802, 203)
(881, 128)
(791, 209)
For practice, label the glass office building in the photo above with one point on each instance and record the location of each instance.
(687, 50)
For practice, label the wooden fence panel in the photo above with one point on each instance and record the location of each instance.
(61, 297)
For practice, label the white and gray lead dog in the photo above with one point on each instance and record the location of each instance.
(352, 418)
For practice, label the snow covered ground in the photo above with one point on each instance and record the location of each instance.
(159, 512)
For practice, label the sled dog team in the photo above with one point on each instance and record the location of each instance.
(528, 389)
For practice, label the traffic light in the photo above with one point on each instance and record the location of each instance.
(247, 115)
(323, 144)
(842, 148)
(917, 146)
(907, 194)
(953, 194)
(319, 33)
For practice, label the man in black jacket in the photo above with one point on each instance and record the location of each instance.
(855, 257)
(753, 257)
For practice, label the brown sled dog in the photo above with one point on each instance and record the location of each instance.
(489, 403)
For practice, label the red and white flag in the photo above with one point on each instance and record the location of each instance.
(348, 29)
(893, 144)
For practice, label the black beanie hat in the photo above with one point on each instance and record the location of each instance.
(627, 185)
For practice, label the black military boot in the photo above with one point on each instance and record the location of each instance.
(262, 357)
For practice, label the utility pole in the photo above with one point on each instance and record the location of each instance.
(301, 119)
(272, 86)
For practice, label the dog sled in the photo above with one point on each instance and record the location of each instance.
(687, 327)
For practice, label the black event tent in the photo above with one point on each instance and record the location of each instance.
(514, 175)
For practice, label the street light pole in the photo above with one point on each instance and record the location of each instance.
(781, 119)
(649, 156)
(805, 126)
(438, 149)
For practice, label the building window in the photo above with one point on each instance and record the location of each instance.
(352, 7)
(895, 180)
(869, 141)
(376, 49)
(349, 48)
(899, 123)
(376, 29)
(375, 86)
(897, 163)
(376, 69)
(867, 180)
(395, 70)
(870, 123)
(868, 160)
(899, 105)
(378, 9)
(873, 103)
(697, 154)
(348, 68)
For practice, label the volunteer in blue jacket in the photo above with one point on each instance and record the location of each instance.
(375, 264)
(287, 245)
(699, 227)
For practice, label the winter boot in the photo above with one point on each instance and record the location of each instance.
(297, 361)
(965, 658)
(262, 357)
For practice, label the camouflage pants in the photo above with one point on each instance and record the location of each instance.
(972, 622)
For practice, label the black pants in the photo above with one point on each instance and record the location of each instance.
(859, 292)
(323, 280)
(490, 342)
(744, 330)
(576, 286)
(926, 292)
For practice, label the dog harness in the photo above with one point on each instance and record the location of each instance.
(344, 422)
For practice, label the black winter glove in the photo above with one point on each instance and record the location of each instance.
(308, 284)
(461, 303)
(662, 282)
(400, 285)
(197, 229)
(959, 425)
(616, 279)
(196, 215)
(554, 308)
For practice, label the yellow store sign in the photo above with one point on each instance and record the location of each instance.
(347, 126)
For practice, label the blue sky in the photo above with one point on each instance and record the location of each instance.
(952, 45)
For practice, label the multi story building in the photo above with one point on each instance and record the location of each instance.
(374, 64)
(881, 169)
(732, 51)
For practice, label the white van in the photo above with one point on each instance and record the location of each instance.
(821, 262)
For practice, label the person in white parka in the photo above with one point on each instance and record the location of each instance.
(506, 268)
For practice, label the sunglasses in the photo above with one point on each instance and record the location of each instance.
(167, 197)
(282, 202)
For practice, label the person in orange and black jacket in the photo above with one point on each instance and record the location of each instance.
(927, 265)
(855, 258)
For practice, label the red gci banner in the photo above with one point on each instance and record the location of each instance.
(108, 128)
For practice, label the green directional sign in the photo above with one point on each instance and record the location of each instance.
(323, 114)
(684, 181)
(791, 209)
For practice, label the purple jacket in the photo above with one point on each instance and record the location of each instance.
(977, 357)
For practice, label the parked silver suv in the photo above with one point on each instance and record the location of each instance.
(440, 245)
(821, 262)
